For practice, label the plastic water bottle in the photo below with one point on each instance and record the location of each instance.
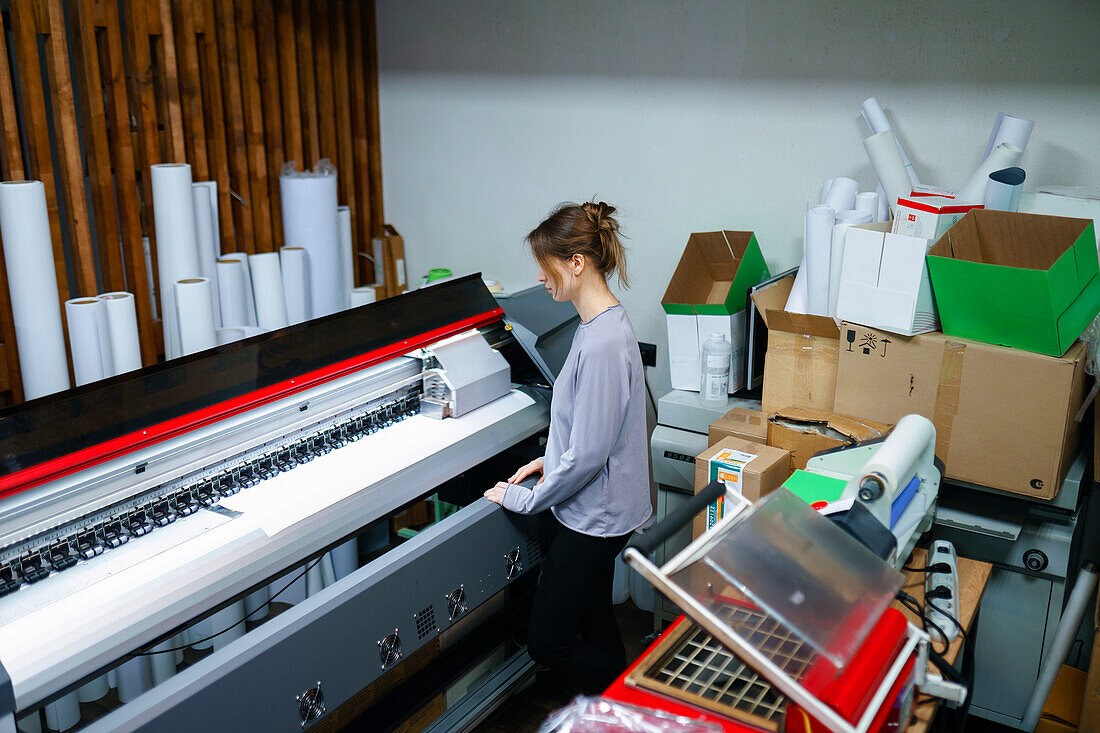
(714, 379)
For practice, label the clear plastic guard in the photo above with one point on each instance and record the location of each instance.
(814, 592)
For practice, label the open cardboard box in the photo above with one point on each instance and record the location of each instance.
(1020, 280)
(708, 294)
(804, 432)
(800, 364)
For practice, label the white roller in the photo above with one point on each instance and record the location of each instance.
(250, 309)
(844, 220)
(32, 284)
(876, 120)
(310, 221)
(841, 195)
(85, 340)
(162, 664)
(229, 335)
(347, 252)
(198, 634)
(134, 678)
(63, 714)
(195, 311)
(255, 603)
(362, 295)
(345, 558)
(818, 241)
(209, 248)
(92, 691)
(886, 159)
(123, 331)
(868, 201)
(267, 287)
(1009, 129)
(234, 293)
(232, 618)
(896, 459)
(1005, 155)
(177, 244)
(294, 263)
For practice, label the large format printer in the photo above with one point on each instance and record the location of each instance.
(134, 508)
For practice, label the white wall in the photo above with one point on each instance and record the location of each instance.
(695, 116)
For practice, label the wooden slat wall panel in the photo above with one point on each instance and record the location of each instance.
(236, 88)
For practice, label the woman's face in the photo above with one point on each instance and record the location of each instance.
(560, 281)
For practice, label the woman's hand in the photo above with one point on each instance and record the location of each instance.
(534, 466)
(496, 494)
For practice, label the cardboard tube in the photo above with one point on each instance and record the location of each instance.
(294, 262)
(177, 245)
(267, 287)
(818, 240)
(122, 330)
(883, 151)
(195, 311)
(1005, 155)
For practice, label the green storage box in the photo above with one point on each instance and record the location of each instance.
(1020, 280)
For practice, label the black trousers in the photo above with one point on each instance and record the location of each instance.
(573, 629)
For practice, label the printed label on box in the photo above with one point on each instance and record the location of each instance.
(726, 466)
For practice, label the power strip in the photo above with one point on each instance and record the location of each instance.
(938, 609)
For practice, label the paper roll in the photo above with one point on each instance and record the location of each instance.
(177, 648)
(255, 603)
(249, 296)
(122, 331)
(30, 723)
(150, 278)
(209, 249)
(797, 301)
(63, 714)
(293, 593)
(92, 691)
(886, 159)
(85, 340)
(1002, 193)
(347, 252)
(345, 558)
(315, 581)
(164, 664)
(868, 201)
(294, 263)
(232, 618)
(228, 335)
(195, 311)
(32, 284)
(901, 450)
(362, 295)
(1009, 129)
(267, 287)
(824, 191)
(841, 195)
(1005, 155)
(876, 120)
(177, 245)
(818, 240)
(328, 571)
(234, 287)
(844, 220)
(134, 678)
(310, 221)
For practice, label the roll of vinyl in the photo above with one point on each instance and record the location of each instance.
(209, 248)
(886, 159)
(798, 300)
(841, 195)
(232, 618)
(1005, 155)
(178, 643)
(347, 252)
(63, 714)
(315, 581)
(291, 588)
(150, 279)
(229, 335)
(93, 690)
(250, 300)
(328, 571)
(85, 340)
(32, 284)
(901, 449)
(876, 120)
(868, 201)
(1002, 193)
(198, 634)
(362, 295)
(122, 330)
(255, 603)
(844, 220)
(177, 243)
(345, 558)
(824, 191)
(310, 221)
(234, 287)
(163, 664)
(195, 311)
(134, 678)
(1009, 129)
(294, 262)
(818, 240)
(267, 287)
(112, 678)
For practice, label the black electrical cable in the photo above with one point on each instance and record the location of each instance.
(233, 625)
(913, 605)
(939, 567)
(936, 593)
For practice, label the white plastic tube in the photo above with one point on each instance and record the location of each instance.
(134, 678)
(1002, 193)
(841, 195)
(361, 295)
(209, 248)
(32, 284)
(123, 331)
(886, 159)
(177, 244)
(234, 286)
(254, 602)
(876, 120)
(250, 300)
(163, 665)
(818, 240)
(310, 221)
(1009, 129)
(267, 287)
(1005, 155)
(294, 262)
(232, 618)
(347, 252)
(195, 310)
(91, 691)
(85, 339)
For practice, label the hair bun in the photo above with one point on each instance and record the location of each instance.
(600, 215)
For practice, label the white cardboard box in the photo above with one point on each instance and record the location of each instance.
(686, 335)
(928, 217)
(884, 281)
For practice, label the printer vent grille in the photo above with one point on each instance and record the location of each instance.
(425, 622)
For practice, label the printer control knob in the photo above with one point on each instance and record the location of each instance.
(871, 487)
(1035, 560)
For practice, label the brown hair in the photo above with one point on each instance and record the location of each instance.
(587, 229)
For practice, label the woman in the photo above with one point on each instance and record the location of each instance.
(595, 474)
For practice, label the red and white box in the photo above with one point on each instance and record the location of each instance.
(928, 217)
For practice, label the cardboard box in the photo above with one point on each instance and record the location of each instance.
(884, 281)
(707, 294)
(754, 469)
(389, 262)
(1077, 202)
(804, 432)
(800, 364)
(1020, 280)
(740, 423)
(1005, 418)
(1063, 706)
(928, 217)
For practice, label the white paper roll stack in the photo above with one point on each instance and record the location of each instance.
(195, 311)
(122, 328)
(267, 288)
(294, 262)
(347, 253)
(177, 243)
(32, 283)
(362, 295)
(89, 340)
(310, 221)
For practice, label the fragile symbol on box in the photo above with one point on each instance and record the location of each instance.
(869, 344)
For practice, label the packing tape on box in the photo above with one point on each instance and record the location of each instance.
(947, 394)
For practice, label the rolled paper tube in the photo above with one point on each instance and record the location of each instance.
(177, 243)
(195, 311)
(868, 201)
(1009, 129)
(63, 714)
(883, 152)
(818, 242)
(209, 249)
(876, 120)
(797, 301)
(362, 295)
(233, 282)
(164, 663)
(250, 308)
(94, 690)
(842, 194)
(310, 221)
(345, 558)
(83, 315)
(347, 252)
(1003, 156)
(229, 335)
(267, 287)
(134, 678)
(123, 331)
(1002, 193)
(230, 620)
(294, 263)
